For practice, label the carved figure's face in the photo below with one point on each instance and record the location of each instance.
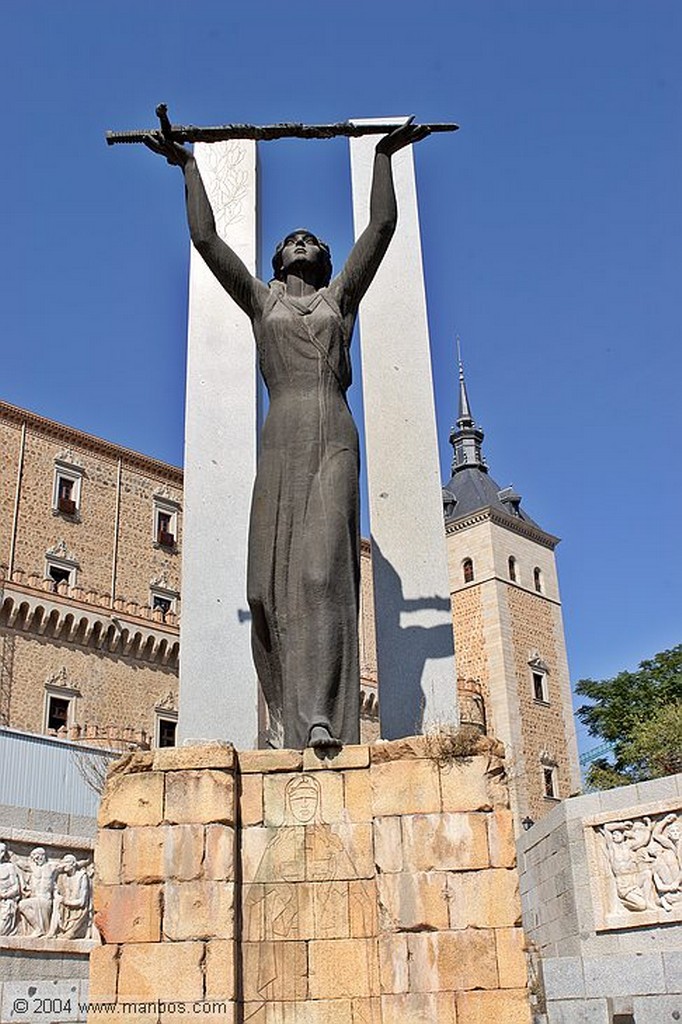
(70, 862)
(674, 831)
(304, 800)
(300, 247)
(618, 836)
(38, 857)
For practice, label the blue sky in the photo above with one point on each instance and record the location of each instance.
(552, 233)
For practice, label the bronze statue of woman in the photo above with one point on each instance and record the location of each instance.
(304, 538)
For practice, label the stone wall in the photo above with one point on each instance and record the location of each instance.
(601, 889)
(379, 888)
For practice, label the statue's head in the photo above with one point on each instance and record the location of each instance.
(303, 245)
(302, 796)
(38, 855)
(69, 862)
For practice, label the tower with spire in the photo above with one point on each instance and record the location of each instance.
(509, 635)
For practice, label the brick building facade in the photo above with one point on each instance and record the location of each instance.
(90, 541)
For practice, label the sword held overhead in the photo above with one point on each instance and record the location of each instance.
(261, 133)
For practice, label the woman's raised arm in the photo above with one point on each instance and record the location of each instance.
(233, 275)
(369, 250)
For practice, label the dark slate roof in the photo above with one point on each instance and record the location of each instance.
(474, 488)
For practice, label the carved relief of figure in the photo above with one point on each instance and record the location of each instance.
(40, 874)
(72, 900)
(622, 844)
(666, 846)
(10, 892)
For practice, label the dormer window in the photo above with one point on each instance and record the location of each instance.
(468, 570)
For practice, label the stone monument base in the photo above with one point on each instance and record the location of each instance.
(269, 887)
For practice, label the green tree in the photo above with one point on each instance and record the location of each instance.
(640, 715)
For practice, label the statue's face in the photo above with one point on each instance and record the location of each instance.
(70, 864)
(300, 247)
(673, 831)
(618, 836)
(38, 857)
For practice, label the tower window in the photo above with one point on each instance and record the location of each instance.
(537, 580)
(549, 782)
(167, 730)
(66, 489)
(59, 575)
(540, 687)
(512, 569)
(165, 523)
(468, 570)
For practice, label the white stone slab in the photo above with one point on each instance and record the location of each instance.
(218, 689)
(415, 646)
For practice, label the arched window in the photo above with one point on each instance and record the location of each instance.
(537, 579)
(512, 569)
(468, 570)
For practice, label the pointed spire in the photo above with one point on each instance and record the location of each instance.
(465, 418)
(466, 438)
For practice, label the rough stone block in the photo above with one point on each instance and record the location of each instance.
(132, 800)
(464, 785)
(362, 907)
(267, 852)
(341, 968)
(512, 1007)
(366, 1011)
(270, 761)
(672, 969)
(166, 970)
(278, 911)
(207, 1011)
(219, 856)
(280, 808)
(512, 967)
(581, 1011)
(321, 1011)
(653, 1009)
(205, 755)
(413, 901)
(219, 969)
(420, 1008)
(198, 910)
(251, 800)
(604, 974)
(104, 972)
(388, 844)
(445, 842)
(453, 961)
(353, 756)
(199, 797)
(330, 910)
(357, 796)
(501, 840)
(393, 966)
(340, 850)
(406, 749)
(108, 860)
(563, 977)
(275, 971)
(183, 851)
(143, 859)
(405, 787)
(128, 913)
(484, 899)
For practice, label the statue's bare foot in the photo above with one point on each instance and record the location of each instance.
(322, 742)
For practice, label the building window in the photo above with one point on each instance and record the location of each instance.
(163, 599)
(58, 574)
(512, 569)
(66, 490)
(549, 782)
(57, 713)
(468, 570)
(165, 523)
(540, 687)
(166, 732)
(537, 580)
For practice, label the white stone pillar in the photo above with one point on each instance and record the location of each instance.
(218, 687)
(415, 646)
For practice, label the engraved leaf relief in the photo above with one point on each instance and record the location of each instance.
(643, 858)
(227, 182)
(43, 897)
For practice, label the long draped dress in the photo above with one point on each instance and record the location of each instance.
(304, 540)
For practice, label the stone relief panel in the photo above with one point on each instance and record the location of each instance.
(306, 879)
(636, 866)
(44, 897)
(227, 182)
